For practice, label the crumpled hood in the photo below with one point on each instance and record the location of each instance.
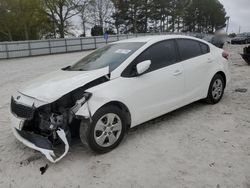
(52, 86)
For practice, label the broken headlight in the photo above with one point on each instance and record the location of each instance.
(20, 110)
(80, 102)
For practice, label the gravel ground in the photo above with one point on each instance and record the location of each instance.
(199, 145)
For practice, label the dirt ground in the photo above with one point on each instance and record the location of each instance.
(199, 145)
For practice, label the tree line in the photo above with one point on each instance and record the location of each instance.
(37, 19)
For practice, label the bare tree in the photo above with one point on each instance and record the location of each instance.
(84, 14)
(60, 11)
(100, 11)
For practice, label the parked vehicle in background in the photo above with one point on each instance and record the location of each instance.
(199, 35)
(117, 87)
(246, 54)
(243, 38)
(218, 41)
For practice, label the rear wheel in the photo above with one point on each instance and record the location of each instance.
(106, 130)
(216, 89)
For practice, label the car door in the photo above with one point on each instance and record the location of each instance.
(196, 61)
(160, 88)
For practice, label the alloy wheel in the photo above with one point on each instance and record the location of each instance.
(217, 89)
(108, 130)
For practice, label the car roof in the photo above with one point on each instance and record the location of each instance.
(154, 38)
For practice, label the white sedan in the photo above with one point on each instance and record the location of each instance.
(115, 88)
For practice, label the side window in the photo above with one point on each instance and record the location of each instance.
(188, 48)
(161, 54)
(204, 48)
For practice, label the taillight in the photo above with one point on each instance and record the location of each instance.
(225, 55)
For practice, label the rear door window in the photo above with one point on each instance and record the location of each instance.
(189, 48)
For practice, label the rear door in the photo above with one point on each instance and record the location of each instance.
(196, 61)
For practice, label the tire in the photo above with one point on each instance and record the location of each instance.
(216, 89)
(102, 136)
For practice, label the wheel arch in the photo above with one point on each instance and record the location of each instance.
(209, 99)
(123, 107)
(92, 106)
(223, 76)
(219, 72)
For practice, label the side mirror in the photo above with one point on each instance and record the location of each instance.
(143, 67)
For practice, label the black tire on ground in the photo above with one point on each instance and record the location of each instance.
(87, 129)
(211, 99)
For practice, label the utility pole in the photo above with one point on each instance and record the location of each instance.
(239, 29)
(228, 18)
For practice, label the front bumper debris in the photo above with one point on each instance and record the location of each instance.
(41, 144)
(20, 113)
(38, 142)
(42, 130)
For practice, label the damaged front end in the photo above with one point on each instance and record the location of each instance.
(45, 128)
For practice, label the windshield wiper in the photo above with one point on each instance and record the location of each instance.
(66, 68)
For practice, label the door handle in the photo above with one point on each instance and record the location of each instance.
(209, 60)
(177, 72)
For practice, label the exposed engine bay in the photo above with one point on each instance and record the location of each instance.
(54, 124)
(60, 114)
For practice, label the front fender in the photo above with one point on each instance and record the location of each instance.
(91, 106)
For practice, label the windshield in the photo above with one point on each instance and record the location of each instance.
(111, 55)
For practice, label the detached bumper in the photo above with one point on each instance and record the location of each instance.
(38, 142)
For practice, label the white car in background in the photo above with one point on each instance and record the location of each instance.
(115, 88)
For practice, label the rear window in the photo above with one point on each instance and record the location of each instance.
(189, 48)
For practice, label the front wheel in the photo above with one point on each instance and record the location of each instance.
(216, 89)
(106, 130)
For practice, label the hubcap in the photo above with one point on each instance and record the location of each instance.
(217, 89)
(108, 130)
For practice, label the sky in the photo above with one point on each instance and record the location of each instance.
(239, 12)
